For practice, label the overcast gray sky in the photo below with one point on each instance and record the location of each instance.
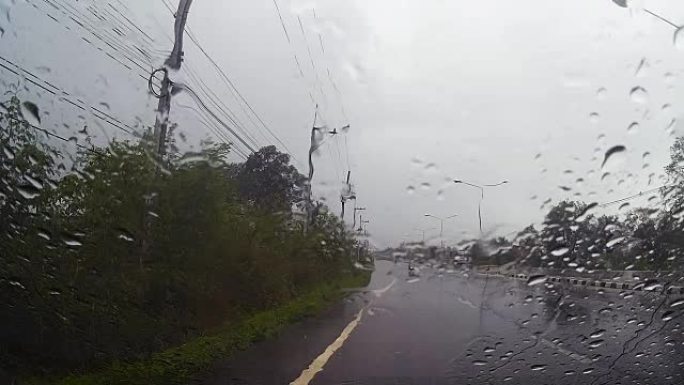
(530, 91)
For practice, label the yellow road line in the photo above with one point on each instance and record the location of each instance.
(317, 365)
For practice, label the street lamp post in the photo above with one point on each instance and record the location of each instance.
(423, 231)
(481, 187)
(441, 225)
(623, 4)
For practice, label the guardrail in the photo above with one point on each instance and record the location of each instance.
(652, 286)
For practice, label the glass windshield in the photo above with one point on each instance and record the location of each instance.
(341, 192)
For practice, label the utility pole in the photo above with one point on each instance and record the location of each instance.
(313, 146)
(423, 231)
(361, 231)
(346, 195)
(172, 62)
(362, 222)
(162, 119)
(355, 210)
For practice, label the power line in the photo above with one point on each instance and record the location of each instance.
(109, 44)
(642, 193)
(346, 150)
(203, 105)
(233, 88)
(338, 163)
(81, 19)
(169, 8)
(129, 21)
(316, 75)
(231, 85)
(72, 15)
(662, 18)
(221, 105)
(104, 116)
(57, 136)
(214, 128)
(332, 161)
(280, 16)
(289, 41)
(313, 65)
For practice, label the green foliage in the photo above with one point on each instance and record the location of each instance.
(267, 180)
(177, 365)
(113, 257)
(572, 237)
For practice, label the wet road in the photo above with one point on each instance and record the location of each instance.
(455, 327)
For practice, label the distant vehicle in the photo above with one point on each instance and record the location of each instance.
(458, 260)
(412, 271)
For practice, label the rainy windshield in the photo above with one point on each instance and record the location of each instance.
(341, 192)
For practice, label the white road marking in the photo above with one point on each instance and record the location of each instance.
(380, 292)
(317, 365)
(466, 302)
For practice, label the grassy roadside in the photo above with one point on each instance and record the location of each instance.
(177, 365)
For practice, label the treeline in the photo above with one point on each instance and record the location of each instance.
(114, 254)
(575, 236)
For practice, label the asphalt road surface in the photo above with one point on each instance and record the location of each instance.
(456, 327)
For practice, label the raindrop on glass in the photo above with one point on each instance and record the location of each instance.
(678, 302)
(633, 128)
(560, 252)
(642, 68)
(34, 182)
(28, 192)
(611, 152)
(614, 241)
(124, 235)
(601, 93)
(594, 117)
(536, 279)
(598, 333)
(31, 113)
(668, 315)
(638, 95)
(73, 242)
(678, 38)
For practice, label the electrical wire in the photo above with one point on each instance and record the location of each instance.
(339, 153)
(106, 36)
(642, 193)
(129, 21)
(121, 48)
(280, 16)
(231, 85)
(203, 106)
(232, 88)
(92, 150)
(317, 80)
(214, 128)
(289, 41)
(104, 115)
(109, 44)
(222, 107)
(332, 161)
(346, 150)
